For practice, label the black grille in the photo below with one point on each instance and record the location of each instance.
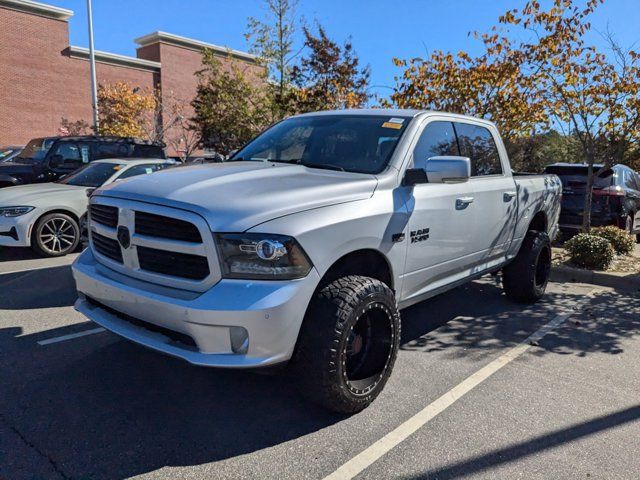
(185, 340)
(182, 265)
(166, 227)
(107, 247)
(104, 214)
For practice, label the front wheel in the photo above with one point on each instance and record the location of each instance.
(55, 235)
(348, 344)
(525, 278)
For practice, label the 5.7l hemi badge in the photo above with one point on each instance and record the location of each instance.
(419, 235)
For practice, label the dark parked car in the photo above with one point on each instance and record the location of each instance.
(616, 197)
(47, 159)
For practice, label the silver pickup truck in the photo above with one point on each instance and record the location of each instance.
(304, 246)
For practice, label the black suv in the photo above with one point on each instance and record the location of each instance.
(47, 159)
(616, 197)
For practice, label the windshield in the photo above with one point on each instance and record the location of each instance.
(92, 175)
(35, 151)
(351, 143)
(7, 153)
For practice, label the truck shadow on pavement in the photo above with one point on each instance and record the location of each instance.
(486, 321)
(100, 407)
(41, 288)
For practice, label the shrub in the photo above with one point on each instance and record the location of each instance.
(620, 240)
(590, 251)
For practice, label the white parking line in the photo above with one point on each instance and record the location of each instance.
(71, 336)
(371, 454)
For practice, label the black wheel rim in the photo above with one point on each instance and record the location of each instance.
(543, 267)
(368, 349)
(57, 235)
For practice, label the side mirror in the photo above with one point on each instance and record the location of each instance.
(414, 176)
(448, 169)
(56, 161)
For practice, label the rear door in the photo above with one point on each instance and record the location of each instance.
(441, 229)
(494, 192)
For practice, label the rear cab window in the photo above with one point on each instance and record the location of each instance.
(477, 143)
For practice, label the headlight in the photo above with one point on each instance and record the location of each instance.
(14, 211)
(261, 256)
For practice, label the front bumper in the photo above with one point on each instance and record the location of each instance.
(16, 231)
(271, 312)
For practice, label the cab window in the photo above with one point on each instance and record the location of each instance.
(437, 139)
(477, 143)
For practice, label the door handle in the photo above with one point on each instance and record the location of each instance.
(463, 202)
(507, 196)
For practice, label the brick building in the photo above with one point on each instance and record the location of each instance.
(43, 78)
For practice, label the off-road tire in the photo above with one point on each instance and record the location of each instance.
(71, 234)
(525, 279)
(320, 364)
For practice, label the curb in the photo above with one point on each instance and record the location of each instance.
(564, 273)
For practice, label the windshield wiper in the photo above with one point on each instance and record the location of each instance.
(324, 166)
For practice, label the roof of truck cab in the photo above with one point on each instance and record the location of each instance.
(383, 112)
(392, 112)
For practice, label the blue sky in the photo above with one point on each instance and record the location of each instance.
(379, 29)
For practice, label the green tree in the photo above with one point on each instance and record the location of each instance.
(272, 40)
(230, 106)
(328, 76)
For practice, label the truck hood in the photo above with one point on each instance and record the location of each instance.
(236, 196)
(37, 194)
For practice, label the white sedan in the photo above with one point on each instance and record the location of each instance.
(47, 216)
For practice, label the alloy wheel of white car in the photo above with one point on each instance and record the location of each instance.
(56, 234)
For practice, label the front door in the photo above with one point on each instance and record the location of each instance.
(442, 220)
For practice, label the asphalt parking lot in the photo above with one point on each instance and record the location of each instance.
(473, 395)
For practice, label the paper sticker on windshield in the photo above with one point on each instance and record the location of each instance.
(85, 154)
(395, 123)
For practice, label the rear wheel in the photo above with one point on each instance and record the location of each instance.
(348, 344)
(55, 235)
(525, 278)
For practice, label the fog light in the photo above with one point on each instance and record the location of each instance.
(239, 340)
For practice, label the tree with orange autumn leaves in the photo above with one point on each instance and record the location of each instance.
(148, 114)
(552, 79)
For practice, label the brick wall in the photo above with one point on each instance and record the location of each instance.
(41, 82)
